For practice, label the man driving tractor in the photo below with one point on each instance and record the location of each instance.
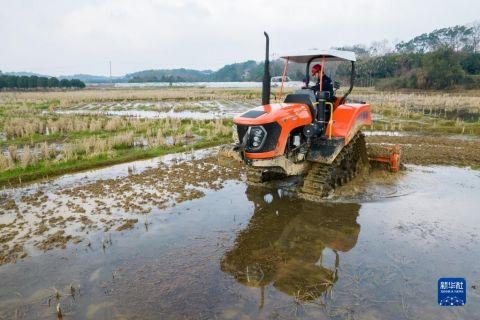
(327, 83)
(315, 135)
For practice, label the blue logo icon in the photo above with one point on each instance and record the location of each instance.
(452, 292)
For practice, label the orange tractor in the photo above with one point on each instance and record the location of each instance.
(314, 133)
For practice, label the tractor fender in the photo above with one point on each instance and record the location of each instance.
(348, 119)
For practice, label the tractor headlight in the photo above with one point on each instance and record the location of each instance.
(257, 136)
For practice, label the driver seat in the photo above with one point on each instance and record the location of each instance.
(304, 96)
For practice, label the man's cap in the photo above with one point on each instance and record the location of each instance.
(316, 68)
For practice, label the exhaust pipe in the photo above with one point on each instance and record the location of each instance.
(266, 73)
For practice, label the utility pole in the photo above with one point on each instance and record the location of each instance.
(110, 65)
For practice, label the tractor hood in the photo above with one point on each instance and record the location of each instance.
(276, 112)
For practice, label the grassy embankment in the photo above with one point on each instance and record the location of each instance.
(45, 168)
(41, 143)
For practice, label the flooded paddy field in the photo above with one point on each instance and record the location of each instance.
(200, 110)
(181, 237)
(43, 134)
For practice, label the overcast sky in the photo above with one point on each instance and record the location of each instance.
(80, 36)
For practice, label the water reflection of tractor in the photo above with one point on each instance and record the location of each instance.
(314, 132)
(287, 244)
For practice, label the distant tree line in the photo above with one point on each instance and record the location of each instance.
(163, 78)
(36, 82)
(169, 75)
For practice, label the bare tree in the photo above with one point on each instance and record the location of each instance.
(475, 36)
(380, 48)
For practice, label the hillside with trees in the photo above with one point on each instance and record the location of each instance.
(443, 59)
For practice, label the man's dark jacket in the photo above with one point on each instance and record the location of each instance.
(327, 85)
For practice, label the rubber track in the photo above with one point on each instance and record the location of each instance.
(323, 178)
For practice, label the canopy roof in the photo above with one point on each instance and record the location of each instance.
(329, 55)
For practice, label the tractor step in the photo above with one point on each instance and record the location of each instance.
(325, 150)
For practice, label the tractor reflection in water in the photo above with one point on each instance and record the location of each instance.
(287, 243)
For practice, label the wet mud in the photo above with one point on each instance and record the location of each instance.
(185, 238)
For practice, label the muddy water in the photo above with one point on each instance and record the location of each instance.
(374, 252)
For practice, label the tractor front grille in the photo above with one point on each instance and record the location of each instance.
(273, 130)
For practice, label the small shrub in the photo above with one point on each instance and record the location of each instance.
(13, 153)
(4, 163)
(27, 157)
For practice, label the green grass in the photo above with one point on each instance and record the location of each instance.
(46, 169)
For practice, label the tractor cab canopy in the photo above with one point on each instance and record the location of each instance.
(327, 55)
(322, 56)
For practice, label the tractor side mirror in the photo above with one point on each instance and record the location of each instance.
(336, 85)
